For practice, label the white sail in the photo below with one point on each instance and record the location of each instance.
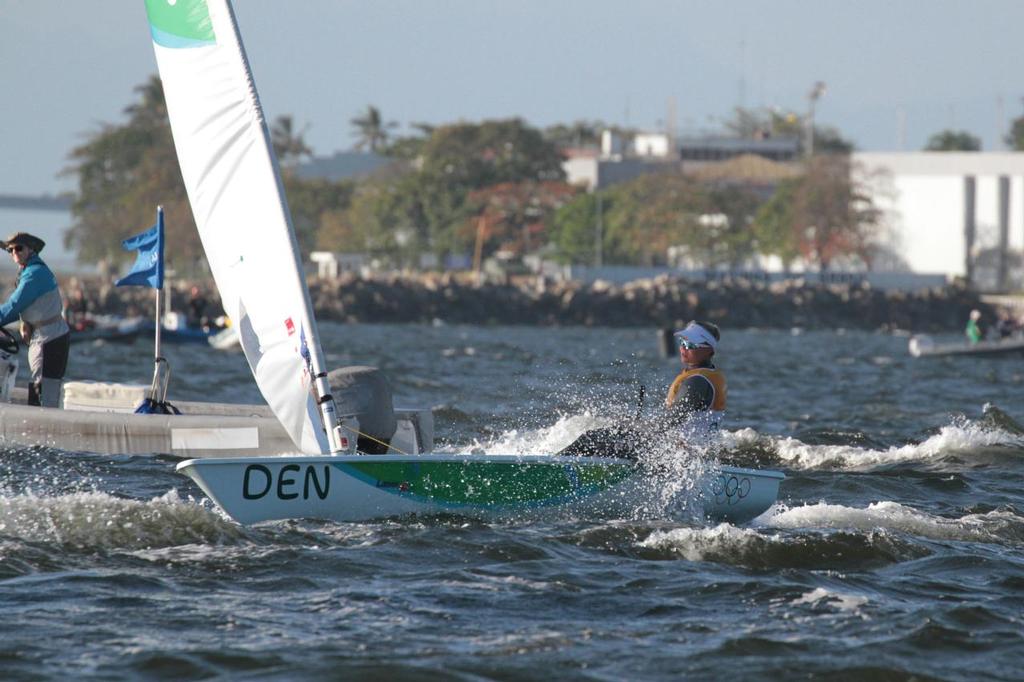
(234, 186)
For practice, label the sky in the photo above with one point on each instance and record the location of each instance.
(896, 72)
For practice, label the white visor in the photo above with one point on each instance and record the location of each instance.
(694, 333)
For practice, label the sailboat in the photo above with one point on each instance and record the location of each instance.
(234, 188)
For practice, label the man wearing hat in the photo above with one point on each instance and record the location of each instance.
(699, 390)
(37, 301)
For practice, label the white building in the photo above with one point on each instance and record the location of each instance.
(331, 264)
(960, 214)
(657, 145)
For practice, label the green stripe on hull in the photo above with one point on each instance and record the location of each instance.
(490, 484)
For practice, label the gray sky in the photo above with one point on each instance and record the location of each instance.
(67, 66)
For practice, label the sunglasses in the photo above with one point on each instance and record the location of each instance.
(17, 248)
(689, 345)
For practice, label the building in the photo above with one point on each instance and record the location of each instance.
(621, 159)
(342, 166)
(704, 149)
(331, 264)
(960, 214)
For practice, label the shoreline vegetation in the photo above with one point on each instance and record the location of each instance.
(664, 301)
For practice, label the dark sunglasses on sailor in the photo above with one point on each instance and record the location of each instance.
(688, 345)
(15, 249)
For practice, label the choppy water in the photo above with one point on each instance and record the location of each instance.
(897, 549)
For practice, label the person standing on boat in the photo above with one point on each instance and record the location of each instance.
(38, 302)
(697, 397)
(973, 330)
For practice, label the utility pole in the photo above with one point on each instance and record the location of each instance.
(815, 94)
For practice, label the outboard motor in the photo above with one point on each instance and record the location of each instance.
(364, 392)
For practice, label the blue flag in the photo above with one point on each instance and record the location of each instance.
(148, 270)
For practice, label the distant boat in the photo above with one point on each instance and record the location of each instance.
(86, 328)
(226, 339)
(177, 330)
(107, 328)
(922, 345)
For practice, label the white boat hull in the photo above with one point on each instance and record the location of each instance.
(99, 417)
(922, 345)
(358, 488)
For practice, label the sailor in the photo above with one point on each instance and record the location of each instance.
(973, 330)
(37, 301)
(696, 399)
(694, 406)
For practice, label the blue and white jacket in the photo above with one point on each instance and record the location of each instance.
(37, 301)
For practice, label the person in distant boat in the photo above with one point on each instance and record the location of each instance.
(696, 399)
(1005, 327)
(973, 330)
(76, 309)
(196, 317)
(38, 302)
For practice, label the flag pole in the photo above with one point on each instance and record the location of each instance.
(148, 271)
(159, 291)
(158, 389)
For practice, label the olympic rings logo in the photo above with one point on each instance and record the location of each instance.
(730, 489)
(573, 476)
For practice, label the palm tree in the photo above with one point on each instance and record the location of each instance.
(289, 145)
(371, 129)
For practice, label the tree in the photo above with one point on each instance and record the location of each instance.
(371, 130)
(124, 171)
(384, 218)
(828, 140)
(772, 227)
(458, 159)
(312, 201)
(289, 145)
(477, 155)
(643, 218)
(953, 141)
(833, 215)
(753, 124)
(409, 147)
(516, 215)
(1015, 137)
(824, 215)
(574, 230)
(578, 134)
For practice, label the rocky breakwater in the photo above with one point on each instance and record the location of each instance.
(659, 302)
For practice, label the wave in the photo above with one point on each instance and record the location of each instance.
(963, 439)
(827, 536)
(999, 526)
(758, 548)
(96, 520)
(958, 440)
(840, 601)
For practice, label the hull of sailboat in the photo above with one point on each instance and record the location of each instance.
(202, 430)
(361, 488)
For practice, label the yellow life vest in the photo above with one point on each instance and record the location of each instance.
(715, 376)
